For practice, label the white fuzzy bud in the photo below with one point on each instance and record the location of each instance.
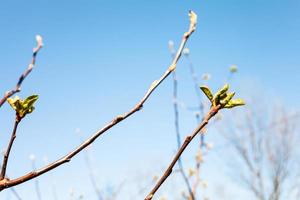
(39, 40)
(186, 51)
(32, 157)
(209, 145)
(206, 76)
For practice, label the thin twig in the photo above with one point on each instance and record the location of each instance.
(7, 152)
(176, 121)
(37, 184)
(91, 175)
(177, 130)
(6, 183)
(15, 193)
(213, 111)
(200, 108)
(17, 88)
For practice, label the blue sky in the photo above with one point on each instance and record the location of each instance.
(99, 59)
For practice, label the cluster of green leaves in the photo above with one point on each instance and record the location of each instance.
(222, 97)
(23, 107)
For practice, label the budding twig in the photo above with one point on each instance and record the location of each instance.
(222, 99)
(213, 111)
(5, 183)
(176, 123)
(17, 88)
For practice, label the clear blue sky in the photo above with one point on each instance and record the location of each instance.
(99, 59)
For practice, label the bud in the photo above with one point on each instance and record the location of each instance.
(192, 172)
(186, 51)
(32, 157)
(209, 145)
(39, 40)
(206, 76)
(155, 178)
(233, 69)
(219, 116)
(163, 198)
(171, 46)
(204, 184)
(199, 157)
(78, 131)
(3, 152)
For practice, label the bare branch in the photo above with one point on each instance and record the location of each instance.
(6, 183)
(7, 152)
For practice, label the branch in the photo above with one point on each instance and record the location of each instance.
(6, 183)
(17, 88)
(213, 111)
(221, 99)
(7, 152)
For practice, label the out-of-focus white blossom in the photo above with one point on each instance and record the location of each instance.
(163, 198)
(78, 131)
(199, 156)
(233, 68)
(32, 157)
(186, 51)
(206, 76)
(209, 145)
(71, 192)
(204, 184)
(192, 172)
(171, 46)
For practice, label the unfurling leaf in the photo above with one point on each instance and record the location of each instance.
(222, 98)
(235, 102)
(223, 90)
(221, 94)
(23, 107)
(29, 101)
(227, 99)
(14, 103)
(207, 92)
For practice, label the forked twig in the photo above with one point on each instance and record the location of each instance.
(176, 124)
(6, 183)
(17, 88)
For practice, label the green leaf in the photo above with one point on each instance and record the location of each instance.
(207, 92)
(235, 102)
(23, 107)
(227, 99)
(14, 103)
(222, 91)
(29, 101)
